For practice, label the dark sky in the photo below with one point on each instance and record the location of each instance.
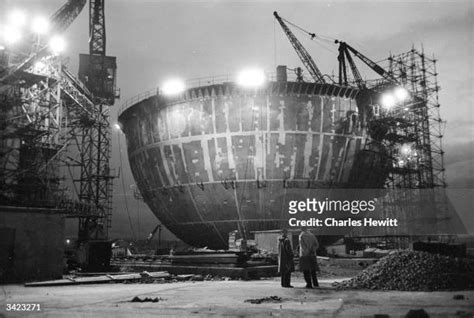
(154, 40)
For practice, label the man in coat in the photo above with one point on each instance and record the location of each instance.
(285, 259)
(308, 262)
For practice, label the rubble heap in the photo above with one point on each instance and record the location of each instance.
(414, 271)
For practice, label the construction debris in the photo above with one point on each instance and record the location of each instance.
(100, 279)
(143, 277)
(197, 278)
(207, 259)
(152, 300)
(184, 277)
(414, 271)
(227, 265)
(271, 299)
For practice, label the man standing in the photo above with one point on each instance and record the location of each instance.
(285, 259)
(308, 262)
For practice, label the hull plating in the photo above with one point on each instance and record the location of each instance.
(218, 158)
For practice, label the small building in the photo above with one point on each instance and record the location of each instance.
(31, 244)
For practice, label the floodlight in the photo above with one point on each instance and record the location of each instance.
(11, 35)
(251, 78)
(388, 101)
(117, 126)
(40, 25)
(401, 94)
(406, 150)
(173, 87)
(17, 18)
(57, 44)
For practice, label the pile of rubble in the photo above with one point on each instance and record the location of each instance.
(137, 299)
(414, 271)
(271, 299)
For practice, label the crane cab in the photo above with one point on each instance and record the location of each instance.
(98, 73)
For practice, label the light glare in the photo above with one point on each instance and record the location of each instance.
(401, 94)
(39, 66)
(17, 18)
(251, 78)
(388, 101)
(406, 150)
(40, 25)
(173, 87)
(57, 44)
(11, 35)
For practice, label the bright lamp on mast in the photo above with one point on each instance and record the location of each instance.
(388, 101)
(251, 78)
(401, 94)
(173, 87)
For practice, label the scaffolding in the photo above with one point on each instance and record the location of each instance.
(417, 72)
(54, 127)
(32, 136)
(410, 135)
(55, 142)
(411, 132)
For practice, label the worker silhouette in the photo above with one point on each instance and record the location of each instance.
(286, 264)
(308, 262)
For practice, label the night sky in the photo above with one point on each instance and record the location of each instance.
(154, 40)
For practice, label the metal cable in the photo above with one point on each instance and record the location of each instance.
(274, 45)
(311, 34)
(325, 47)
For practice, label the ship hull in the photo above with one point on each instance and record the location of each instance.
(219, 158)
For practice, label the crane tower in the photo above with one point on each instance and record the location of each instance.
(97, 71)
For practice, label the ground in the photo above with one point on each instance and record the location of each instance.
(220, 298)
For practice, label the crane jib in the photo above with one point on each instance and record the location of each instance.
(304, 56)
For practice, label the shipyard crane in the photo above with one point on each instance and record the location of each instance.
(97, 71)
(301, 51)
(53, 111)
(63, 18)
(344, 53)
